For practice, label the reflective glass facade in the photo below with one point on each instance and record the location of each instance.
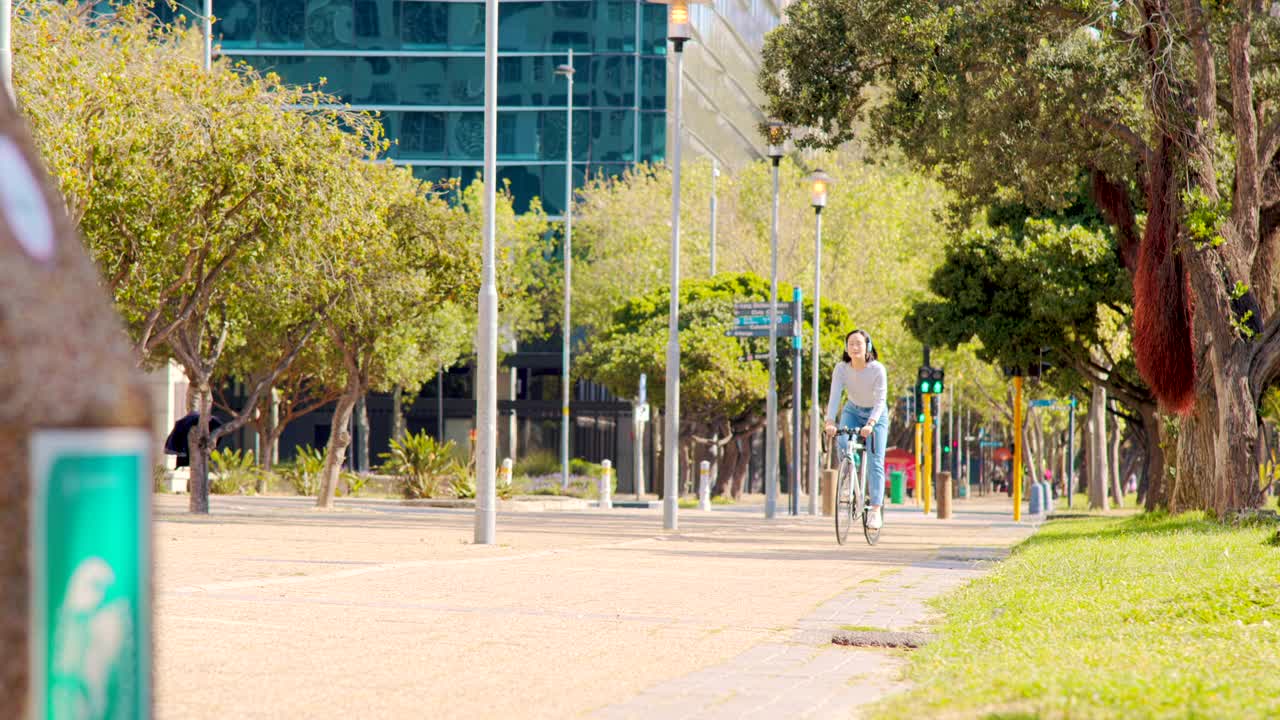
(420, 64)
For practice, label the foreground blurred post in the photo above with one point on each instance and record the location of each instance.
(75, 448)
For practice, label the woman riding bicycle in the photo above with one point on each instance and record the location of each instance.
(863, 379)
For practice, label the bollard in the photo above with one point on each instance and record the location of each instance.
(704, 485)
(1048, 497)
(897, 487)
(963, 487)
(944, 496)
(828, 492)
(76, 448)
(606, 484)
(1035, 500)
(504, 473)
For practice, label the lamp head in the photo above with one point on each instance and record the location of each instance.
(776, 135)
(819, 184)
(679, 24)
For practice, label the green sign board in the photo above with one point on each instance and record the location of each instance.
(90, 561)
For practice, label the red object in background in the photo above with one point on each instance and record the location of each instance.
(1001, 455)
(899, 460)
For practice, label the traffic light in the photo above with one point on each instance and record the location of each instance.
(917, 404)
(930, 380)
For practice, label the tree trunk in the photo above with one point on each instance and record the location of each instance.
(1192, 487)
(1117, 483)
(199, 448)
(339, 439)
(1097, 442)
(397, 414)
(723, 473)
(362, 435)
(1155, 469)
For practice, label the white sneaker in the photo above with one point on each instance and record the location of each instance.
(874, 521)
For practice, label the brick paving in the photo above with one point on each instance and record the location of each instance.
(270, 609)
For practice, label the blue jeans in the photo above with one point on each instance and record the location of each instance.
(855, 417)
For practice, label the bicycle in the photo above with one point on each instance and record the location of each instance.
(853, 501)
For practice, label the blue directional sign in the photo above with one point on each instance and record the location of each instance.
(1043, 403)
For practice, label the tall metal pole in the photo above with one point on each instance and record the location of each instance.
(6, 50)
(487, 332)
(671, 438)
(208, 35)
(797, 406)
(771, 396)
(925, 481)
(815, 411)
(1017, 448)
(513, 444)
(1071, 452)
(567, 328)
(715, 174)
(955, 443)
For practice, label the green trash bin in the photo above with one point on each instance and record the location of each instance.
(897, 487)
(964, 489)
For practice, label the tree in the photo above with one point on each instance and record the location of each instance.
(1167, 107)
(1044, 289)
(181, 181)
(396, 317)
(881, 238)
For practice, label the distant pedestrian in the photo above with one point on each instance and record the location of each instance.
(1131, 486)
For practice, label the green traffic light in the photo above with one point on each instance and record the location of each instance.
(924, 386)
(920, 418)
(937, 387)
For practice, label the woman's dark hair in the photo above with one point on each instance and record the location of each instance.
(871, 350)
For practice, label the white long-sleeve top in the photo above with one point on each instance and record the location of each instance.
(866, 388)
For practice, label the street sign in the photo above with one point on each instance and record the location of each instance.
(760, 320)
(759, 331)
(991, 443)
(89, 640)
(642, 413)
(759, 308)
(1043, 403)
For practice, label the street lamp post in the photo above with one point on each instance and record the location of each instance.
(679, 31)
(487, 332)
(819, 182)
(715, 175)
(776, 136)
(208, 35)
(566, 71)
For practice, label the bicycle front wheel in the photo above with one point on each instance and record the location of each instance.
(844, 501)
(872, 534)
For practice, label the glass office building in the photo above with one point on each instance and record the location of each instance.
(419, 63)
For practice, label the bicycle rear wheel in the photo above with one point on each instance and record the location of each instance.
(844, 501)
(872, 534)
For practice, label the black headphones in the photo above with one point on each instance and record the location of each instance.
(870, 347)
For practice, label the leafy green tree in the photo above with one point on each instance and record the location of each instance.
(397, 317)
(1165, 106)
(181, 181)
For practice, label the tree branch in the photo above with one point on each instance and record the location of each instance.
(1123, 133)
(267, 379)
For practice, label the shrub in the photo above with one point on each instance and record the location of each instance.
(234, 471)
(354, 482)
(578, 466)
(422, 465)
(542, 462)
(463, 484)
(160, 478)
(304, 472)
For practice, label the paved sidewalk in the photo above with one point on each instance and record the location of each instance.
(270, 609)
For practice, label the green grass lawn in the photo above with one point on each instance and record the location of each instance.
(1147, 616)
(1080, 503)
